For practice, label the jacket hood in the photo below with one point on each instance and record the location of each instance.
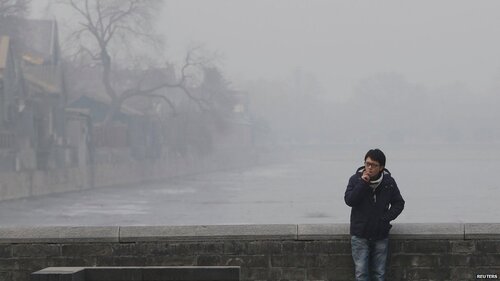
(362, 168)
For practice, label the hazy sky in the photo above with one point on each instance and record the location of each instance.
(430, 42)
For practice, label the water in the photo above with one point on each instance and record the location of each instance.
(440, 183)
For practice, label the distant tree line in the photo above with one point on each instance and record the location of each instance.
(382, 108)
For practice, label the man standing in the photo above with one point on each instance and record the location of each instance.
(375, 201)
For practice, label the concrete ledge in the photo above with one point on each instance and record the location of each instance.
(322, 231)
(59, 234)
(83, 234)
(208, 232)
(59, 274)
(427, 231)
(482, 231)
(136, 273)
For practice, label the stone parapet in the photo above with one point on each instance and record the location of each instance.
(127, 234)
(460, 251)
(208, 232)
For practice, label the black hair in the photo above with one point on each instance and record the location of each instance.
(376, 155)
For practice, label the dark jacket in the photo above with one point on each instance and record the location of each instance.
(372, 212)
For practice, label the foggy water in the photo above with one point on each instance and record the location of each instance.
(440, 183)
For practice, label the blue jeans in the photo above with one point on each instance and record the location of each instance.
(370, 257)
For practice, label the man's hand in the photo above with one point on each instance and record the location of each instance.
(365, 176)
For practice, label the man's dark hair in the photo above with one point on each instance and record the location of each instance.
(376, 155)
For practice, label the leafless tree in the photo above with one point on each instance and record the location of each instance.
(106, 24)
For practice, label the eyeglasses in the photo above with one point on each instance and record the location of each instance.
(371, 165)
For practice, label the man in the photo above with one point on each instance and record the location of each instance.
(375, 200)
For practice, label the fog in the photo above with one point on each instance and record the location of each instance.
(418, 72)
(380, 71)
(342, 42)
(320, 83)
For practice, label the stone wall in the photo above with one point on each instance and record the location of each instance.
(264, 252)
(34, 183)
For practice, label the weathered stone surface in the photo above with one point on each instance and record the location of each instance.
(463, 246)
(426, 246)
(208, 232)
(148, 273)
(322, 231)
(482, 231)
(36, 250)
(59, 273)
(5, 251)
(59, 234)
(328, 247)
(88, 250)
(427, 231)
(418, 252)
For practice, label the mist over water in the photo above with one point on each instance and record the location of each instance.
(448, 183)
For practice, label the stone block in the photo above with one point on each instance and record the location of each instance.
(265, 247)
(288, 261)
(71, 261)
(36, 250)
(250, 260)
(413, 261)
(208, 232)
(427, 231)
(260, 274)
(336, 261)
(456, 260)
(482, 231)
(462, 274)
(183, 273)
(426, 246)
(113, 274)
(188, 260)
(340, 274)
(85, 250)
(486, 260)
(194, 273)
(210, 260)
(129, 249)
(293, 247)
(27, 263)
(427, 274)
(298, 274)
(6, 276)
(210, 247)
(487, 246)
(237, 247)
(8, 265)
(316, 274)
(121, 261)
(322, 231)
(5, 251)
(463, 246)
(316, 261)
(329, 247)
(59, 274)
(58, 234)
(395, 246)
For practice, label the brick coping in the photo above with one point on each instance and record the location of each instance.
(96, 234)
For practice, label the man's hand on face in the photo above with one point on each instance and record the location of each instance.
(365, 176)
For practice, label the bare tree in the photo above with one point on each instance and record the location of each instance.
(104, 25)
